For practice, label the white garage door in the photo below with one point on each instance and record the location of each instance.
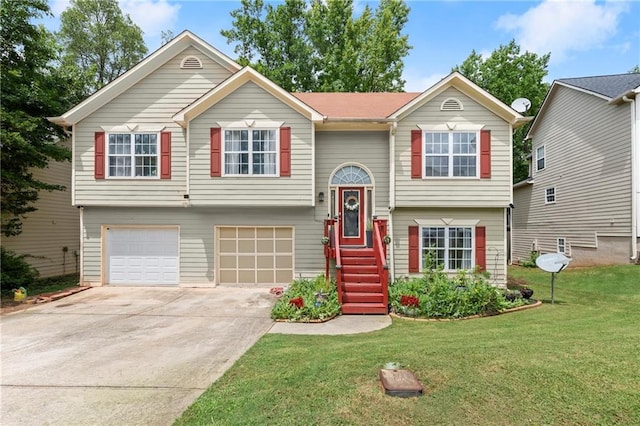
(260, 255)
(142, 255)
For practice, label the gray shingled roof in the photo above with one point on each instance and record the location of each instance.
(610, 86)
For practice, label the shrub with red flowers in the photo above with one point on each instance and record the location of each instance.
(409, 301)
(297, 302)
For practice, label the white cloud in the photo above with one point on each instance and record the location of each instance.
(419, 82)
(561, 27)
(59, 6)
(152, 16)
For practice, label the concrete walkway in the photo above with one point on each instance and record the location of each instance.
(345, 324)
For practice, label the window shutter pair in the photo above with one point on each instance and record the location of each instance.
(216, 151)
(414, 248)
(100, 161)
(416, 154)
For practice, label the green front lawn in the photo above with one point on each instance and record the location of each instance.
(576, 362)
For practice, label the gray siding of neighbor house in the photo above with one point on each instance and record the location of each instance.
(491, 218)
(588, 161)
(368, 149)
(151, 102)
(454, 192)
(197, 236)
(51, 228)
(251, 102)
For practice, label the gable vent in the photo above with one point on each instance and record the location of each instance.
(191, 63)
(451, 104)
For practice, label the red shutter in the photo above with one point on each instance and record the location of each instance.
(416, 154)
(485, 154)
(98, 164)
(481, 248)
(285, 151)
(216, 155)
(414, 249)
(165, 155)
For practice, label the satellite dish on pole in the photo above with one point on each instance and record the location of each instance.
(554, 263)
(521, 105)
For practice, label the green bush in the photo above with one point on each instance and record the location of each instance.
(15, 271)
(301, 301)
(439, 296)
(531, 262)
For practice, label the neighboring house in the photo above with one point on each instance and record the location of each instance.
(191, 170)
(582, 197)
(50, 235)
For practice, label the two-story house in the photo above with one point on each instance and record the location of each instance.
(583, 194)
(191, 170)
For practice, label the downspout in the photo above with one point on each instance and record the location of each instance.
(634, 177)
(81, 272)
(392, 194)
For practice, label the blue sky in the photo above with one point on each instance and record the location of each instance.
(585, 37)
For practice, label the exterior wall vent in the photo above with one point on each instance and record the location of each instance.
(191, 63)
(451, 104)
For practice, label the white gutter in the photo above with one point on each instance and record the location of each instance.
(81, 272)
(187, 147)
(635, 174)
(73, 165)
(392, 194)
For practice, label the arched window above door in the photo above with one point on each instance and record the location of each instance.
(351, 175)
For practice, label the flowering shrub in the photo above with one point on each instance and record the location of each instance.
(298, 302)
(436, 295)
(308, 300)
(410, 301)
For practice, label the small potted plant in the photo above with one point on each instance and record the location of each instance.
(324, 240)
(369, 233)
(386, 240)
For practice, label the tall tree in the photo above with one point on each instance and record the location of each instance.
(100, 40)
(509, 74)
(321, 46)
(32, 89)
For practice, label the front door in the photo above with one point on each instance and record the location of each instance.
(352, 216)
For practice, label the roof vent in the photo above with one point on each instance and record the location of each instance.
(451, 104)
(191, 63)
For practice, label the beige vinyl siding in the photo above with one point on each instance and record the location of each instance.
(51, 228)
(492, 218)
(454, 192)
(369, 149)
(587, 159)
(151, 102)
(251, 102)
(197, 236)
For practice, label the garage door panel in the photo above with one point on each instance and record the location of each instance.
(263, 255)
(142, 256)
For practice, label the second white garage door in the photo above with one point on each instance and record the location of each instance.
(261, 255)
(142, 255)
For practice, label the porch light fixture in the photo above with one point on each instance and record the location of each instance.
(321, 197)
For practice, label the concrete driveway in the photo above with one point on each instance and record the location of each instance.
(124, 356)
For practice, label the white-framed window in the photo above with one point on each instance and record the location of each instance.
(250, 152)
(451, 154)
(133, 155)
(451, 246)
(550, 195)
(540, 158)
(561, 245)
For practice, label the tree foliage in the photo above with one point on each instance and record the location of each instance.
(99, 40)
(321, 45)
(509, 74)
(32, 89)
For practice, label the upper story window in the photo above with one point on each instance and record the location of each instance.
(132, 155)
(250, 152)
(451, 154)
(448, 246)
(550, 195)
(540, 158)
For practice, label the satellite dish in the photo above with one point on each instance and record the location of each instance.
(554, 263)
(521, 105)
